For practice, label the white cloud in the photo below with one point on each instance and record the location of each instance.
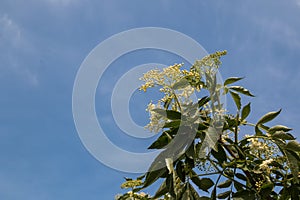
(281, 32)
(10, 33)
(14, 47)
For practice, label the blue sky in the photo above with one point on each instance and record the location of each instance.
(43, 43)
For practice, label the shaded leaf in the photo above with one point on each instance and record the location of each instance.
(237, 99)
(170, 114)
(225, 184)
(238, 186)
(243, 195)
(170, 185)
(214, 194)
(161, 141)
(203, 184)
(266, 189)
(182, 83)
(241, 176)
(258, 132)
(293, 164)
(203, 101)
(194, 193)
(246, 111)
(180, 171)
(293, 146)
(283, 136)
(172, 124)
(161, 190)
(224, 195)
(220, 155)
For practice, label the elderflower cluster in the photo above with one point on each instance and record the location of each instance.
(261, 148)
(133, 196)
(165, 78)
(264, 166)
(157, 121)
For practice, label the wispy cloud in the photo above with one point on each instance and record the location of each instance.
(13, 48)
(280, 31)
(10, 33)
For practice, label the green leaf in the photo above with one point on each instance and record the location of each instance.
(268, 117)
(152, 176)
(182, 83)
(220, 155)
(241, 176)
(293, 164)
(279, 128)
(194, 193)
(293, 146)
(232, 80)
(203, 184)
(180, 171)
(203, 101)
(206, 183)
(241, 90)
(204, 198)
(283, 136)
(170, 185)
(225, 184)
(238, 186)
(170, 114)
(246, 111)
(161, 190)
(212, 136)
(156, 170)
(243, 195)
(214, 194)
(266, 189)
(161, 142)
(172, 124)
(190, 152)
(224, 195)
(237, 99)
(258, 132)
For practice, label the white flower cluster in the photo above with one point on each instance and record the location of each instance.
(264, 166)
(167, 79)
(133, 196)
(157, 121)
(261, 148)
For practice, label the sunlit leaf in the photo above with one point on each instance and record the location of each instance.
(279, 128)
(232, 80)
(241, 90)
(268, 117)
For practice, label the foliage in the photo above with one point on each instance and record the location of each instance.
(216, 161)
